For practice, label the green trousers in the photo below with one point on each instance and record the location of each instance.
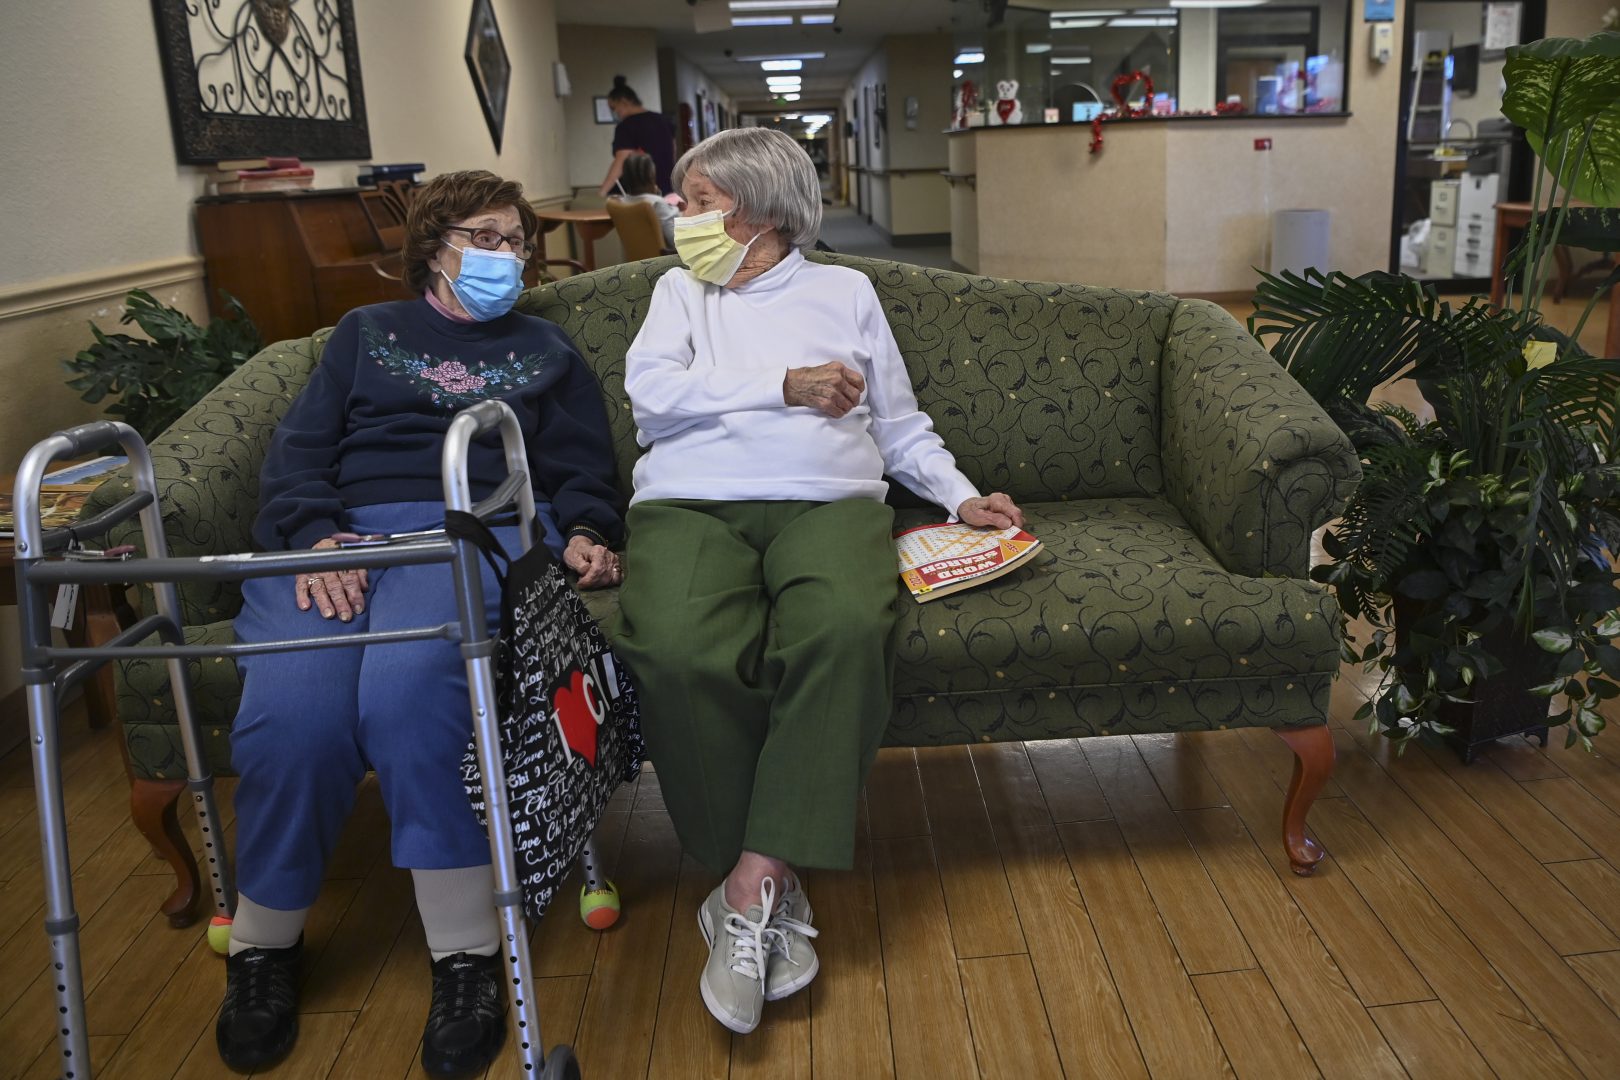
(760, 639)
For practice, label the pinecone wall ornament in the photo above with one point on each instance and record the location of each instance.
(273, 17)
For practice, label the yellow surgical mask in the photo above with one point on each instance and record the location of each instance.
(707, 250)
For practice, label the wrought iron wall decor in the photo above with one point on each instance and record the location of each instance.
(491, 70)
(250, 78)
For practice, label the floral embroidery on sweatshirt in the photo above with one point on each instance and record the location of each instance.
(450, 383)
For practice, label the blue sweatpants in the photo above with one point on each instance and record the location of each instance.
(312, 722)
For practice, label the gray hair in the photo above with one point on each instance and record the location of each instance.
(769, 176)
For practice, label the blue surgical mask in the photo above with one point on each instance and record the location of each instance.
(488, 283)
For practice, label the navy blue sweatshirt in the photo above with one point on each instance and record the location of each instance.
(369, 428)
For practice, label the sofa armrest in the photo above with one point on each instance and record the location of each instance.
(1251, 461)
(207, 468)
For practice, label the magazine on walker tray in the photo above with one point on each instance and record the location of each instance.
(937, 560)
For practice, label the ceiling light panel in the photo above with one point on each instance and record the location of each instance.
(782, 5)
(762, 20)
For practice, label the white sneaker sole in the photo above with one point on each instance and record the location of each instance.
(709, 1002)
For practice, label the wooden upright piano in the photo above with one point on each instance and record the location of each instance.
(299, 260)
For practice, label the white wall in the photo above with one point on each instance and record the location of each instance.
(594, 54)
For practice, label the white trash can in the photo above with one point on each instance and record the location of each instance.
(1299, 240)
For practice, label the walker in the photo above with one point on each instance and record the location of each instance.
(48, 672)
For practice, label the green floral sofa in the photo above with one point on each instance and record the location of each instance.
(1173, 470)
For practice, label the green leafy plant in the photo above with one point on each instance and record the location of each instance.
(1480, 543)
(160, 376)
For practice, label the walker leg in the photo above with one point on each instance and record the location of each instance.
(598, 897)
(61, 921)
(198, 779)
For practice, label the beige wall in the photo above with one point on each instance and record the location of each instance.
(594, 54)
(914, 200)
(88, 149)
(964, 203)
(1049, 211)
(1576, 18)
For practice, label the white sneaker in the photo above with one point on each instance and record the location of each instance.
(792, 962)
(733, 982)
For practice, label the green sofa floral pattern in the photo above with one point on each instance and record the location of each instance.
(1174, 472)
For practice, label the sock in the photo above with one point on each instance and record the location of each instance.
(458, 910)
(258, 927)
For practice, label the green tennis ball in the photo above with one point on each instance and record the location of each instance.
(219, 934)
(600, 909)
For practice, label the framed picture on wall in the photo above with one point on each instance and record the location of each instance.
(704, 115)
(490, 68)
(259, 78)
(1502, 28)
(604, 115)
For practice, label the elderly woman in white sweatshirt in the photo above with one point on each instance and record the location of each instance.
(760, 589)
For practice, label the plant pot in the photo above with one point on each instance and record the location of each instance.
(1503, 704)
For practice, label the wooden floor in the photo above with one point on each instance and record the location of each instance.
(1112, 907)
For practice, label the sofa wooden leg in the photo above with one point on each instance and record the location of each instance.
(1313, 764)
(154, 806)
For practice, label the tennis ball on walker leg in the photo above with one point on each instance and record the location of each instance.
(599, 909)
(219, 934)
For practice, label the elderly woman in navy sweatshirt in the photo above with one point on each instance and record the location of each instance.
(760, 587)
(359, 453)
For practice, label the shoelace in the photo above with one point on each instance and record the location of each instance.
(748, 948)
(465, 990)
(261, 983)
(783, 926)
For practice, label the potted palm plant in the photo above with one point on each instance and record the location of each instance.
(1478, 548)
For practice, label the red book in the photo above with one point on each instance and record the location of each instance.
(274, 174)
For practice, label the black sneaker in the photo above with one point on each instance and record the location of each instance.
(467, 1021)
(258, 1022)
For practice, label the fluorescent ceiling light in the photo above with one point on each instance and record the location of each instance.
(782, 80)
(1084, 14)
(790, 97)
(1215, 3)
(1142, 22)
(781, 5)
(1071, 59)
(816, 20)
(1078, 24)
(956, 73)
(781, 65)
(1038, 47)
(762, 20)
(969, 56)
(817, 118)
(781, 56)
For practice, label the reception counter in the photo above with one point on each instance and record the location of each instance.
(1179, 204)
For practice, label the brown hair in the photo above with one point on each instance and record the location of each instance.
(639, 175)
(450, 198)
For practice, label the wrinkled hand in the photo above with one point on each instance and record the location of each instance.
(831, 389)
(596, 566)
(340, 594)
(995, 510)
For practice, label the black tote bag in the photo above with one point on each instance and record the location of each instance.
(569, 720)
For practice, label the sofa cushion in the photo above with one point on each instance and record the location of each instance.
(1124, 592)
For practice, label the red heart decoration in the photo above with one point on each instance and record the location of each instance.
(1123, 84)
(575, 716)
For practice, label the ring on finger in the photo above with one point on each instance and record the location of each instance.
(311, 581)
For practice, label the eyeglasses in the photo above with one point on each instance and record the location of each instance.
(490, 240)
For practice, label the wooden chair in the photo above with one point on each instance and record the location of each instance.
(638, 227)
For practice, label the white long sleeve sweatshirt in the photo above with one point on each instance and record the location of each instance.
(705, 377)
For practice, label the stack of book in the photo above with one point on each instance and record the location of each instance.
(372, 175)
(260, 174)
